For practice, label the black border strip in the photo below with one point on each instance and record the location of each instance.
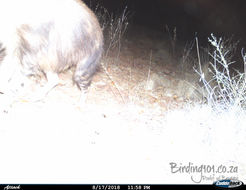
(100, 186)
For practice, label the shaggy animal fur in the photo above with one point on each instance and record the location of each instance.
(46, 37)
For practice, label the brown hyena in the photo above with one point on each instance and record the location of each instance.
(46, 37)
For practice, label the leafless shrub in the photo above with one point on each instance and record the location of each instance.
(115, 30)
(114, 27)
(229, 89)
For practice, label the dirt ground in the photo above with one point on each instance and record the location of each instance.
(121, 134)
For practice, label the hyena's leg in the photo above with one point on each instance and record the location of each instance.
(83, 75)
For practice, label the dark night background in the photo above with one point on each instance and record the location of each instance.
(190, 17)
